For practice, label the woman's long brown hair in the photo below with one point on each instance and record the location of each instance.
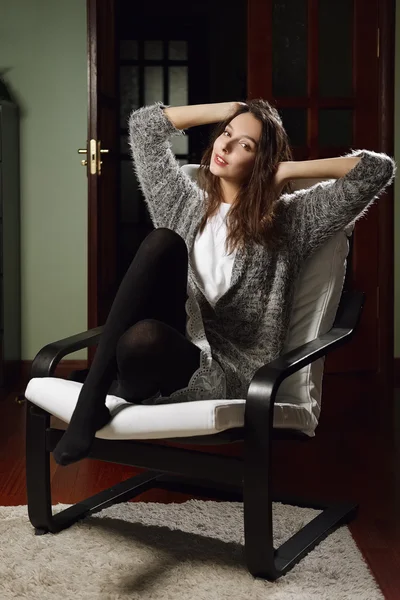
(251, 217)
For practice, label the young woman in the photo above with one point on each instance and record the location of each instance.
(207, 298)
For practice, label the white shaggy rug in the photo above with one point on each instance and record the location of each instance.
(188, 551)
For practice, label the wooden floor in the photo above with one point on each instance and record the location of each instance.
(336, 465)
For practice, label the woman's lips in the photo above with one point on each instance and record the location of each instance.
(220, 164)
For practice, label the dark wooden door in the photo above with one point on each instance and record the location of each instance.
(139, 53)
(102, 160)
(317, 61)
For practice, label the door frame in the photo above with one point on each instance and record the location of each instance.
(385, 309)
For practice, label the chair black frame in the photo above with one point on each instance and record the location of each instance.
(246, 479)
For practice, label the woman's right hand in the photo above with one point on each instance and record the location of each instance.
(239, 105)
(230, 110)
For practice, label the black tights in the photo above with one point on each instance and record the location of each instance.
(143, 348)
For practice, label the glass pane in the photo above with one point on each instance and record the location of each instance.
(130, 193)
(178, 50)
(335, 127)
(129, 92)
(180, 144)
(295, 123)
(153, 85)
(153, 50)
(178, 86)
(289, 48)
(128, 49)
(335, 50)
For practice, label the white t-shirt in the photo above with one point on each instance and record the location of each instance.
(212, 264)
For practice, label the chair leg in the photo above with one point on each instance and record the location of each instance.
(38, 470)
(39, 486)
(262, 559)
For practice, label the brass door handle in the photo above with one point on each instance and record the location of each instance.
(95, 154)
(83, 151)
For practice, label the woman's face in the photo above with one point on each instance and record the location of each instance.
(237, 146)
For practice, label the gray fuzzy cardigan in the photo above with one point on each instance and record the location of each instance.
(248, 325)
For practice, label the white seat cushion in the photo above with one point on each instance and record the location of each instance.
(137, 421)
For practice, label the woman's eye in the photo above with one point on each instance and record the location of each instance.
(243, 143)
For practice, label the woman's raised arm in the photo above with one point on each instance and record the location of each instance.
(318, 212)
(183, 117)
(172, 197)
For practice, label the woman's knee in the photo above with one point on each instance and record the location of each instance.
(166, 239)
(143, 339)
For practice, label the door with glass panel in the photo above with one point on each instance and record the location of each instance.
(316, 61)
(150, 70)
(171, 53)
(175, 52)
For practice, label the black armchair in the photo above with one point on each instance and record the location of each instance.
(247, 479)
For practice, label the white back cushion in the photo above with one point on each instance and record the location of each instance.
(317, 297)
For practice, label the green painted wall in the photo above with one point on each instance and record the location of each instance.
(43, 44)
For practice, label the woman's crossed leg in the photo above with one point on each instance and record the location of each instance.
(143, 343)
